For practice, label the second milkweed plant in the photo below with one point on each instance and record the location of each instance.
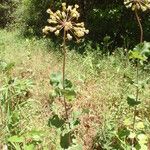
(134, 135)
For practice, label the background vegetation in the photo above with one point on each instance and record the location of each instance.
(102, 18)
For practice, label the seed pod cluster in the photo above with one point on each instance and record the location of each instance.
(66, 20)
(137, 4)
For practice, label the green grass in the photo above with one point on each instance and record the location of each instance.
(99, 81)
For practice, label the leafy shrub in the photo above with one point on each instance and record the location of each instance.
(30, 16)
(6, 9)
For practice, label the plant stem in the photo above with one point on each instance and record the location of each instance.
(137, 73)
(137, 90)
(140, 26)
(63, 72)
(137, 97)
(137, 64)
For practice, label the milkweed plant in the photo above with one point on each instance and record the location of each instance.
(136, 137)
(64, 23)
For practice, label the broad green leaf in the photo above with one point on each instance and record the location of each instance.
(53, 95)
(140, 52)
(128, 78)
(73, 123)
(55, 79)
(123, 133)
(139, 125)
(131, 100)
(76, 122)
(3, 65)
(146, 49)
(128, 122)
(15, 117)
(143, 147)
(35, 135)
(76, 147)
(65, 140)
(136, 55)
(68, 84)
(15, 139)
(76, 114)
(69, 94)
(29, 147)
(142, 138)
(56, 121)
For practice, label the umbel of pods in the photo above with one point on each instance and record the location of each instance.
(65, 23)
